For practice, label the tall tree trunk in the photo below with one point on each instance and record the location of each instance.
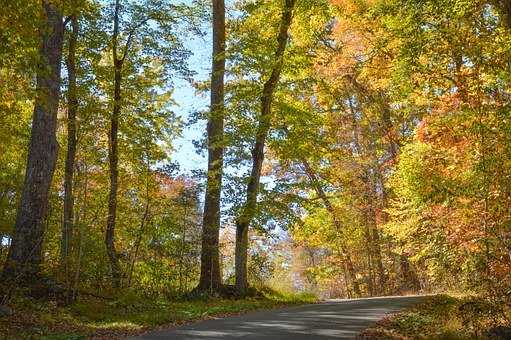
(371, 221)
(337, 223)
(375, 240)
(25, 253)
(248, 209)
(113, 156)
(393, 149)
(210, 278)
(67, 226)
(369, 211)
(372, 232)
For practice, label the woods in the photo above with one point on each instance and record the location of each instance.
(344, 148)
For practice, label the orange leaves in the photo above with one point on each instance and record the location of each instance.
(460, 222)
(170, 187)
(361, 50)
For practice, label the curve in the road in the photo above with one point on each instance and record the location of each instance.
(334, 319)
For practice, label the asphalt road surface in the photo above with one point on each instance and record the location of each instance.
(334, 319)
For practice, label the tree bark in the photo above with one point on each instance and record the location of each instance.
(504, 7)
(248, 209)
(210, 277)
(113, 156)
(67, 226)
(25, 253)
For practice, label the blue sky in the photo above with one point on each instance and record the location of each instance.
(188, 102)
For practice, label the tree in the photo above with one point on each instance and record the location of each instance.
(248, 209)
(146, 28)
(113, 153)
(210, 278)
(25, 253)
(67, 225)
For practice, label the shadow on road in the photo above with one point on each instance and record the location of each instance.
(334, 319)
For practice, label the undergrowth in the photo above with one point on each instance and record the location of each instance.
(446, 317)
(125, 314)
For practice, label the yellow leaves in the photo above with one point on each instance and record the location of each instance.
(354, 6)
(363, 49)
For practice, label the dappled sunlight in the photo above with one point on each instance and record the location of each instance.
(329, 320)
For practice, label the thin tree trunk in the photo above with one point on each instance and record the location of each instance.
(388, 128)
(370, 250)
(82, 216)
(393, 149)
(369, 212)
(248, 209)
(346, 280)
(67, 226)
(210, 278)
(338, 225)
(410, 281)
(25, 253)
(143, 222)
(113, 156)
(382, 277)
(183, 243)
(375, 241)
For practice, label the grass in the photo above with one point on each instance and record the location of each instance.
(446, 317)
(129, 314)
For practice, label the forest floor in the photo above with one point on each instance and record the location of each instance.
(129, 314)
(446, 317)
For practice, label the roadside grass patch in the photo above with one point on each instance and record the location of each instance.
(124, 314)
(446, 317)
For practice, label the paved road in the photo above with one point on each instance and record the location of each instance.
(334, 319)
